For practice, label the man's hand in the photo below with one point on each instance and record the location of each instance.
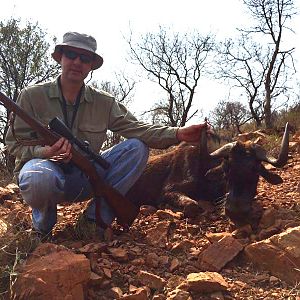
(191, 133)
(60, 151)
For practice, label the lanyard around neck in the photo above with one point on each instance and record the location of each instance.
(64, 107)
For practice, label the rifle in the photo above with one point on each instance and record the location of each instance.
(60, 128)
(125, 210)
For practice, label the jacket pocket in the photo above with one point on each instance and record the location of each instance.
(95, 135)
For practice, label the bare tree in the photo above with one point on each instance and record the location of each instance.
(244, 63)
(176, 63)
(122, 90)
(230, 115)
(261, 69)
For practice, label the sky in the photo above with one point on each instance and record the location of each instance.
(109, 21)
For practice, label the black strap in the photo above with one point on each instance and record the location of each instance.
(64, 107)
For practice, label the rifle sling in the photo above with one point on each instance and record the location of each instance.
(64, 106)
(24, 142)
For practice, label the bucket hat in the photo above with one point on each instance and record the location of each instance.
(80, 41)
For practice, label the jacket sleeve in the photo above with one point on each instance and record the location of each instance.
(155, 136)
(22, 131)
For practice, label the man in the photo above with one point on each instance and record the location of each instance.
(44, 173)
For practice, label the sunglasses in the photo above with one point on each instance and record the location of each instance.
(70, 54)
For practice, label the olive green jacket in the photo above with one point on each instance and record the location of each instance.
(98, 112)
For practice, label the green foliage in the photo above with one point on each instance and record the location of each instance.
(25, 57)
(24, 60)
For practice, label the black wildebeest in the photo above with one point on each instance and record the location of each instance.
(189, 173)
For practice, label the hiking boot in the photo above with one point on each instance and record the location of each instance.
(87, 228)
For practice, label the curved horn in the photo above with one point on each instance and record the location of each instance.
(283, 154)
(223, 151)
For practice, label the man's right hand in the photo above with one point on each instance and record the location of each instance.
(60, 151)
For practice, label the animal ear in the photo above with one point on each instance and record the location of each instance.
(270, 177)
(215, 173)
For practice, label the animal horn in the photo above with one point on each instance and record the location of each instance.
(206, 133)
(223, 151)
(203, 140)
(262, 155)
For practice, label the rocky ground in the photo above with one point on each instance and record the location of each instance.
(163, 250)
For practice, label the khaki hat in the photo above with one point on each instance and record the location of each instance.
(81, 41)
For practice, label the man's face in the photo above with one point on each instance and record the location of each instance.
(76, 64)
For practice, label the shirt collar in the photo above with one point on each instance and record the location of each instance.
(55, 93)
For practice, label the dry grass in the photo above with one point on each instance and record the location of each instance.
(5, 176)
(16, 243)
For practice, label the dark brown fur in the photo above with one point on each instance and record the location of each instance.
(177, 178)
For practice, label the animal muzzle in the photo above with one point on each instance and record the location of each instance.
(238, 209)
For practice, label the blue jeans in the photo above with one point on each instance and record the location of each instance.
(44, 183)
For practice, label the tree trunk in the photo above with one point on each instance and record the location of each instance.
(254, 115)
(267, 111)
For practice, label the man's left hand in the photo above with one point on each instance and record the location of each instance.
(191, 133)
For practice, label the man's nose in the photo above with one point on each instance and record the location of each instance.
(77, 60)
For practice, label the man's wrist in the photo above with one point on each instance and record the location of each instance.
(39, 152)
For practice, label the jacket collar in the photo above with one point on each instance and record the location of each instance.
(55, 93)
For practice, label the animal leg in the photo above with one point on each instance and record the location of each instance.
(189, 206)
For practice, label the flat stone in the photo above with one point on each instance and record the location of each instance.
(151, 280)
(218, 254)
(280, 255)
(52, 272)
(204, 282)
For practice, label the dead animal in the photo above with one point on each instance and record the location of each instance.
(189, 173)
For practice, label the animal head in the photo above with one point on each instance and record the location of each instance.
(241, 167)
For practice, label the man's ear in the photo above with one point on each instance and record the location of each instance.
(269, 176)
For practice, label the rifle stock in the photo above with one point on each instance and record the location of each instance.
(125, 211)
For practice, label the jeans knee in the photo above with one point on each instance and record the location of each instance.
(40, 184)
(140, 148)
